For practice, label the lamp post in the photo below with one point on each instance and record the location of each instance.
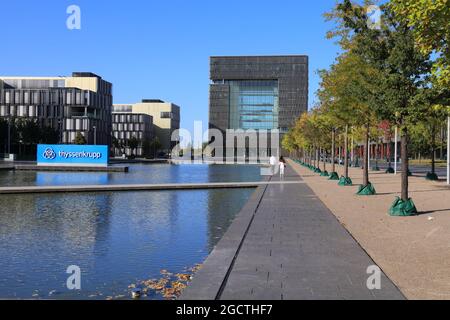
(448, 151)
(396, 150)
(9, 135)
(95, 135)
(352, 151)
(60, 124)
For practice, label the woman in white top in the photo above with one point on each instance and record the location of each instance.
(282, 165)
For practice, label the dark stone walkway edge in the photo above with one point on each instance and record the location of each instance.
(212, 278)
(224, 283)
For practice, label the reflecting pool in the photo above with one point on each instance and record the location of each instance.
(139, 173)
(117, 239)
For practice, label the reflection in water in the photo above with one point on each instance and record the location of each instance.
(139, 173)
(58, 178)
(115, 238)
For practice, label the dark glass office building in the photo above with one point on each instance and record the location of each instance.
(257, 92)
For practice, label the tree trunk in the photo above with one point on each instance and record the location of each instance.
(346, 152)
(405, 165)
(324, 152)
(366, 157)
(333, 150)
(376, 154)
(390, 154)
(433, 149)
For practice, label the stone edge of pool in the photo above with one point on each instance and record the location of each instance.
(132, 187)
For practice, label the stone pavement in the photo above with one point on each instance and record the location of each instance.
(285, 244)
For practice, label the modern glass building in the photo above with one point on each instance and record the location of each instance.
(257, 92)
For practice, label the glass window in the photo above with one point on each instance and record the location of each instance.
(254, 104)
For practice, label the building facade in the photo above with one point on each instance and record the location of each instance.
(257, 93)
(126, 126)
(165, 115)
(81, 104)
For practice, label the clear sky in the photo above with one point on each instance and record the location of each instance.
(160, 49)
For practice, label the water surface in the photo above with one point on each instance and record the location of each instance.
(115, 238)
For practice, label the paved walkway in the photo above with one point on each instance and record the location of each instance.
(285, 244)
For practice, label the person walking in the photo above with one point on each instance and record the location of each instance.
(282, 165)
(273, 164)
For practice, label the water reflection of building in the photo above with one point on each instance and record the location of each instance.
(224, 205)
(68, 223)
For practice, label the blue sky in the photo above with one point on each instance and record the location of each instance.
(160, 49)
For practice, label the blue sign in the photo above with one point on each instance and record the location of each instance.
(72, 155)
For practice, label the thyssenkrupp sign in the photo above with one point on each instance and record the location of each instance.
(72, 155)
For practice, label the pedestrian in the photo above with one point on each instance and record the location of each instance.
(273, 163)
(282, 165)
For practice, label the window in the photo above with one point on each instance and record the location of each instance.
(254, 104)
(166, 115)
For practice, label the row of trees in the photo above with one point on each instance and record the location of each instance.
(392, 75)
(24, 135)
(150, 148)
(20, 136)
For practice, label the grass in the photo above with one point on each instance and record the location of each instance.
(439, 163)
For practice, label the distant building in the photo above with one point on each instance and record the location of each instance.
(125, 126)
(81, 103)
(257, 92)
(165, 115)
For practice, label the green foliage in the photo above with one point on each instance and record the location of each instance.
(151, 147)
(48, 135)
(80, 139)
(133, 143)
(430, 23)
(29, 131)
(3, 130)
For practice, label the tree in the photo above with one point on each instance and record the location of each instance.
(48, 135)
(348, 93)
(80, 139)
(288, 141)
(155, 146)
(133, 143)
(424, 134)
(115, 144)
(429, 21)
(405, 70)
(3, 133)
(28, 134)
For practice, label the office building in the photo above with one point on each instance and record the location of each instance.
(126, 126)
(165, 115)
(81, 103)
(257, 92)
